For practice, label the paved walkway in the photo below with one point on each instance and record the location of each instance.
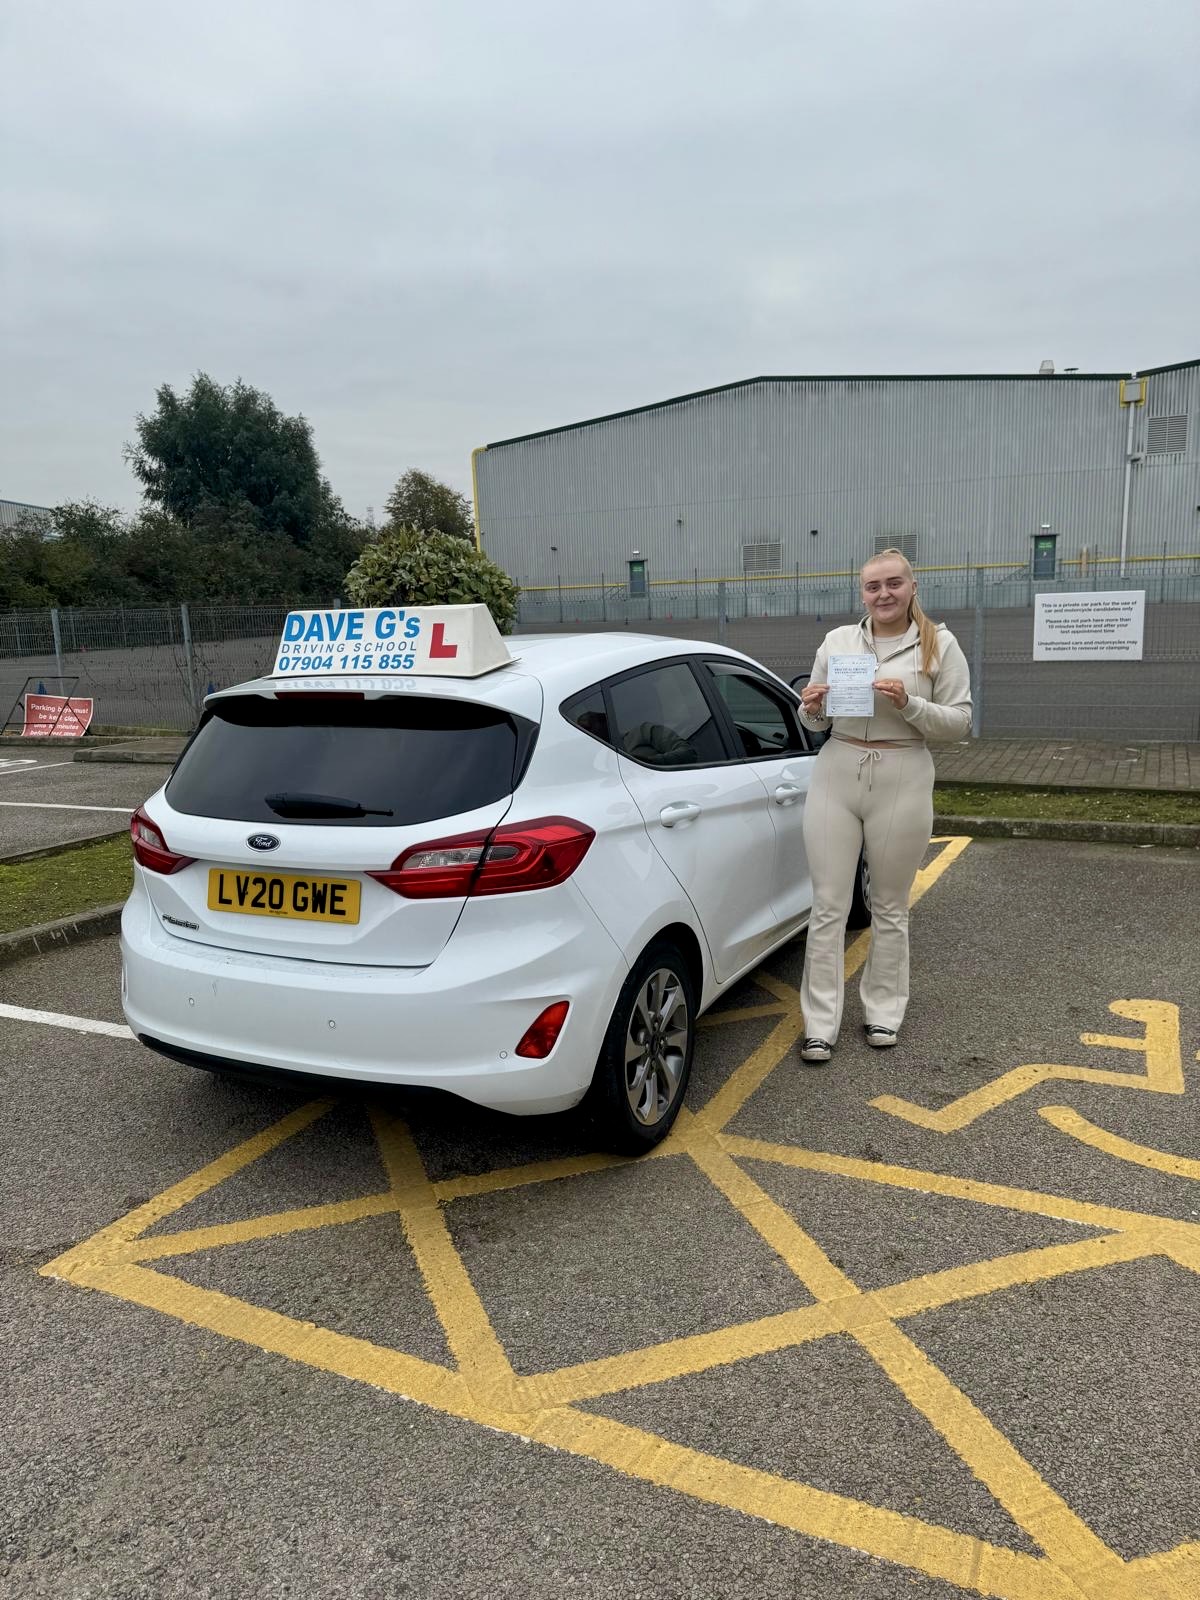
(1057, 763)
(1072, 763)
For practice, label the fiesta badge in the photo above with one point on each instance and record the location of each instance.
(263, 841)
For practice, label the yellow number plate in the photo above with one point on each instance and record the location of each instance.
(284, 894)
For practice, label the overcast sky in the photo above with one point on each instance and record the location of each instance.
(430, 226)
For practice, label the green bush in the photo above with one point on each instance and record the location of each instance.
(408, 568)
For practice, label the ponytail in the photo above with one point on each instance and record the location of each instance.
(926, 630)
(928, 636)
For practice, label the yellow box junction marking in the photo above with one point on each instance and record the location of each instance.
(1163, 1073)
(481, 1386)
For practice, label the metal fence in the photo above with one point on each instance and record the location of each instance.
(683, 596)
(151, 668)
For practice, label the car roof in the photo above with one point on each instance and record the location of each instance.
(561, 662)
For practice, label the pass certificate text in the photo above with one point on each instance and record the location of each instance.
(850, 692)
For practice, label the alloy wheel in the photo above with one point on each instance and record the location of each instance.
(656, 1046)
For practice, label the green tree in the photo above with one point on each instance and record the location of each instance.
(23, 574)
(230, 447)
(420, 501)
(406, 566)
(75, 555)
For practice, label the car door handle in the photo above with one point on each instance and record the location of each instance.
(787, 794)
(678, 811)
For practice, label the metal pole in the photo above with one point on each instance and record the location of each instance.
(696, 589)
(603, 600)
(1162, 578)
(797, 588)
(186, 622)
(977, 660)
(561, 618)
(57, 632)
(721, 612)
(1125, 490)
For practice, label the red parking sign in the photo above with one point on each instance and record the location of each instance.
(54, 716)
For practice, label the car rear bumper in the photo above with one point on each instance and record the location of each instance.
(453, 1025)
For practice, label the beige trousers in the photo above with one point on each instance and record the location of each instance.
(885, 799)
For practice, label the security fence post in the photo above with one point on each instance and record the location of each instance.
(721, 612)
(561, 617)
(186, 624)
(57, 632)
(977, 659)
(603, 600)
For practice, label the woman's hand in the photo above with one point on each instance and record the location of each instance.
(812, 698)
(892, 689)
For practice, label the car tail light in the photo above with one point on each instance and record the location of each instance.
(541, 1036)
(150, 847)
(506, 860)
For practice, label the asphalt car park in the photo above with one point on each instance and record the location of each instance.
(919, 1323)
(48, 799)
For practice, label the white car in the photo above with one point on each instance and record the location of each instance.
(521, 884)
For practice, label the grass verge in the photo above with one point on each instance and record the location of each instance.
(100, 874)
(63, 885)
(1064, 805)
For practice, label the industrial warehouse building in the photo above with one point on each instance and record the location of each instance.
(1050, 474)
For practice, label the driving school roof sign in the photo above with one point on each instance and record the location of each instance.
(430, 641)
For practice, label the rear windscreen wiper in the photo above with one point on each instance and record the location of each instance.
(319, 805)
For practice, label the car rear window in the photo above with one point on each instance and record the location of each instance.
(403, 759)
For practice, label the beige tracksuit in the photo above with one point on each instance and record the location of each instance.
(881, 796)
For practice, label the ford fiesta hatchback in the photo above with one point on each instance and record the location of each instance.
(515, 870)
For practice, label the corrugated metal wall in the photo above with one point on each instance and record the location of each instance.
(1165, 499)
(972, 467)
(12, 511)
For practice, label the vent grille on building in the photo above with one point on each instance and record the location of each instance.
(1166, 436)
(906, 543)
(762, 558)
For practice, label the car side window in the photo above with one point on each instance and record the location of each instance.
(662, 719)
(764, 722)
(588, 712)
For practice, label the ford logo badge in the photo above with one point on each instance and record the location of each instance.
(263, 841)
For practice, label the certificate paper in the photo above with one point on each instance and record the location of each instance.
(850, 692)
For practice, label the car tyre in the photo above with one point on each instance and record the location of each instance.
(646, 1059)
(859, 915)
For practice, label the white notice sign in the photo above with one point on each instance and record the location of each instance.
(1089, 627)
(850, 692)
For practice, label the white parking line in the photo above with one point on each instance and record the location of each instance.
(50, 805)
(9, 769)
(57, 1019)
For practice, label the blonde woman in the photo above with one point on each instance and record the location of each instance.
(873, 784)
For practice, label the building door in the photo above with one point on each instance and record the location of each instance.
(637, 580)
(1045, 558)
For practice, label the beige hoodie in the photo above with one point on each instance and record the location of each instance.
(939, 702)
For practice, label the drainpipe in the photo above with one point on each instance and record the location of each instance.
(475, 455)
(1129, 406)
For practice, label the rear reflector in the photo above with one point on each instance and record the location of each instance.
(150, 848)
(541, 1037)
(508, 860)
